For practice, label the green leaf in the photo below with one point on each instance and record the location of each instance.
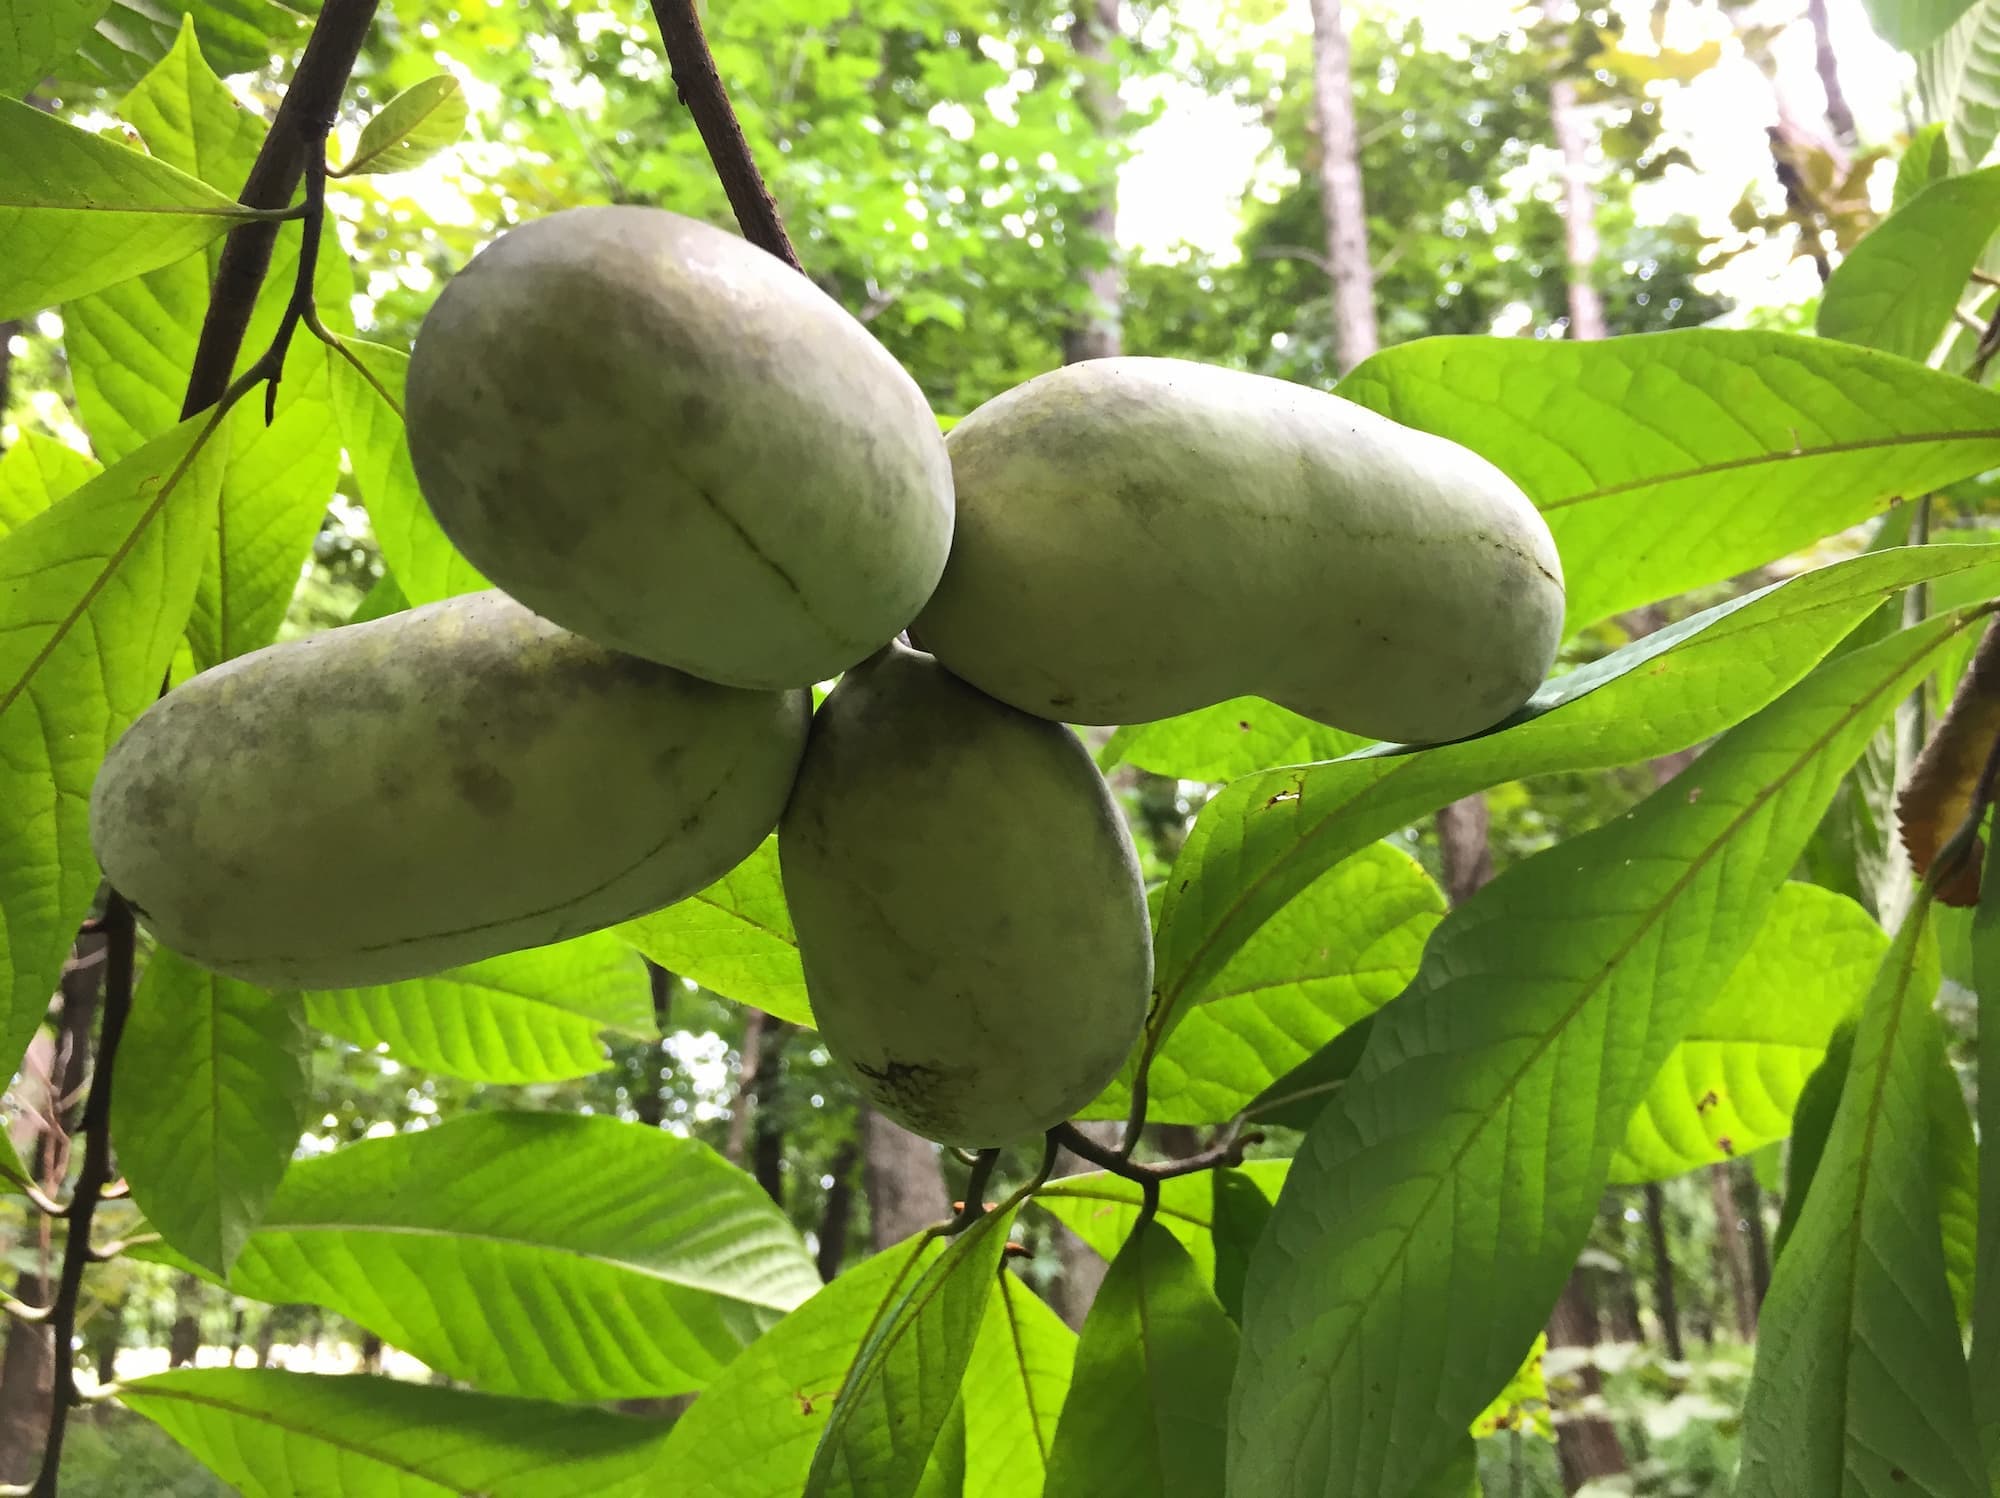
(906, 1377)
(944, 1469)
(1524, 1403)
(1666, 461)
(1331, 957)
(368, 396)
(1926, 160)
(94, 591)
(79, 212)
(1898, 288)
(530, 1016)
(568, 1257)
(273, 1434)
(1102, 1209)
(1912, 24)
(1014, 1389)
(753, 1431)
(1955, 1167)
(1812, 1121)
(35, 35)
(425, 118)
(1986, 1278)
(735, 938)
(1958, 77)
(1464, 1161)
(1265, 838)
(240, 35)
(1241, 1210)
(1144, 1417)
(35, 472)
(1860, 1384)
(1301, 1094)
(213, 1097)
(1731, 1084)
(1232, 738)
(382, 600)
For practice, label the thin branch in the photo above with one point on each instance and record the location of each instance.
(1228, 1152)
(974, 1206)
(701, 90)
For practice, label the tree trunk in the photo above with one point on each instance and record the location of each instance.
(839, 1210)
(1755, 1240)
(649, 1093)
(1734, 1252)
(184, 1336)
(1581, 246)
(1666, 1304)
(754, 1118)
(1839, 118)
(902, 1180)
(1463, 847)
(1341, 200)
(1586, 1442)
(1100, 334)
(7, 332)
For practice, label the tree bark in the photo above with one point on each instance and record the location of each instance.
(7, 332)
(1839, 117)
(1581, 245)
(902, 1180)
(1666, 1304)
(1100, 335)
(1729, 1243)
(649, 1100)
(838, 1212)
(1342, 202)
(1755, 1240)
(1586, 1442)
(1464, 849)
(754, 1118)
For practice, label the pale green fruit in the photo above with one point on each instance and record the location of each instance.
(669, 441)
(1143, 537)
(968, 905)
(393, 798)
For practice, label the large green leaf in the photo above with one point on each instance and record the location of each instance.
(368, 382)
(1102, 1209)
(536, 1253)
(35, 472)
(529, 1016)
(273, 1434)
(94, 591)
(905, 1380)
(1898, 288)
(1334, 955)
(1913, 24)
(425, 118)
(1959, 79)
(1860, 1385)
(1267, 837)
(1014, 1389)
(35, 35)
(1986, 1278)
(735, 938)
(213, 1092)
(1731, 1084)
(752, 1432)
(79, 212)
(1242, 1211)
(240, 35)
(1144, 1417)
(1926, 159)
(1666, 461)
(1232, 738)
(1462, 1164)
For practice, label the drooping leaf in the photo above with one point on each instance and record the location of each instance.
(368, 396)
(1232, 738)
(1241, 1210)
(1666, 461)
(1731, 1084)
(79, 212)
(1913, 24)
(1812, 1121)
(1958, 77)
(1102, 1209)
(425, 118)
(1954, 1155)
(276, 1434)
(630, 1262)
(1014, 1389)
(1925, 160)
(753, 1431)
(530, 1016)
(94, 591)
(1267, 837)
(1986, 1276)
(1144, 1416)
(35, 472)
(35, 35)
(212, 1096)
(1301, 1094)
(1333, 956)
(1464, 1161)
(1897, 289)
(734, 938)
(906, 1377)
(1860, 1384)
(239, 35)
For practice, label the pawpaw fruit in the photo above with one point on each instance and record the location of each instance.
(1142, 537)
(390, 799)
(659, 436)
(968, 905)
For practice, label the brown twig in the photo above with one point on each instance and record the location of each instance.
(1228, 1152)
(701, 90)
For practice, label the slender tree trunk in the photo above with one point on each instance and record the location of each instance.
(1586, 1442)
(1341, 199)
(754, 1118)
(184, 1336)
(649, 1093)
(1463, 847)
(1755, 1240)
(838, 1212)
(902, 1180)
(7, 332)
(1666, 1304)
(1581, 246)
(1839, 118)
(1735, 1254)
(1100, 334)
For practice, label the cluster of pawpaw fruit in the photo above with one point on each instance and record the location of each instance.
(701, 487)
